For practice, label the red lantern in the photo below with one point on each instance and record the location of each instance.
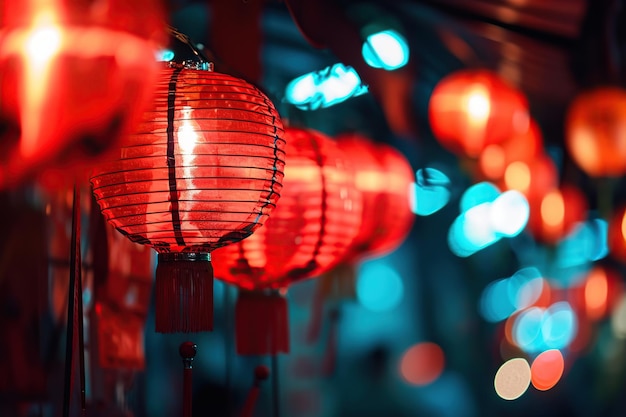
(384, 178)
(310, 231)
(202, 171)
(75, 77)
(555, 214)
(470, 109)
(596, 131)
(523, 147)
(617, 234)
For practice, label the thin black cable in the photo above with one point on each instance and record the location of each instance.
(275, 386)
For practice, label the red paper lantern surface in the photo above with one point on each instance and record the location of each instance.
(523, 147)
(316, 220)
(596, 131)
(384, 178)
(470, 109)
(617, 234)
(203, 170)
(75, 77)
(555, 214)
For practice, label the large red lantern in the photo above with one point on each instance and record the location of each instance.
(203, 170)
(596, 131)
(76, 76)
(310, 231)
(470, 109)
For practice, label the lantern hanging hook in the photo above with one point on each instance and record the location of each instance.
(201, 62)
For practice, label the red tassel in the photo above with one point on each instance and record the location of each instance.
(184, 292)
(261, 323)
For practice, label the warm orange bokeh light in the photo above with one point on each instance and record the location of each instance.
(422, 363)
(596, 292)
(533, 178)
(547, 369)
(495, 158)
(470, 109)
(617, 234)
(596, 131)
(555, 214)
(512, 379)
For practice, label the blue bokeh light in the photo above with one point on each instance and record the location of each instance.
(324, 88)
(379, 287)
(387, 49)
(430, 192)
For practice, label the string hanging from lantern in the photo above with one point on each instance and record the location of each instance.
(203, 170)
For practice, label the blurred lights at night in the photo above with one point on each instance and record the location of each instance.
(387, 49)
(422, 363)
(618, 318)
(324, 88)
(379, 287)
(501, 298)
(431, 191)
(512, 379)
(486, 217)
(547, 369)
(536, 329)
(165, 55)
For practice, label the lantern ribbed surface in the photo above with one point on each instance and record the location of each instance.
(312, 228)
(384, 177)
(204, 169)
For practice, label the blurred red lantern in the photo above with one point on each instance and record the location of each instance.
(596, 131)
(555, 214)
(203, 170)
(384, 178)
(75, 77)
(617, 234)
(309, 232)
(471, 109)
(523, 147)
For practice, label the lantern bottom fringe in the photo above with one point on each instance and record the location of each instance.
(261, 323)
(184, 296)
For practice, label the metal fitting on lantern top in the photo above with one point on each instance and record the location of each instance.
(189, 64)
(184, 257)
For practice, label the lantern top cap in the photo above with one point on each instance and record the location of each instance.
(189, 64)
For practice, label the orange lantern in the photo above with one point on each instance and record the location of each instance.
(203, 170)
(75, 77)
(596, 131)
(617, 234)
(471, 109)
(310, 231)
(554, 215)
(524, 147)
